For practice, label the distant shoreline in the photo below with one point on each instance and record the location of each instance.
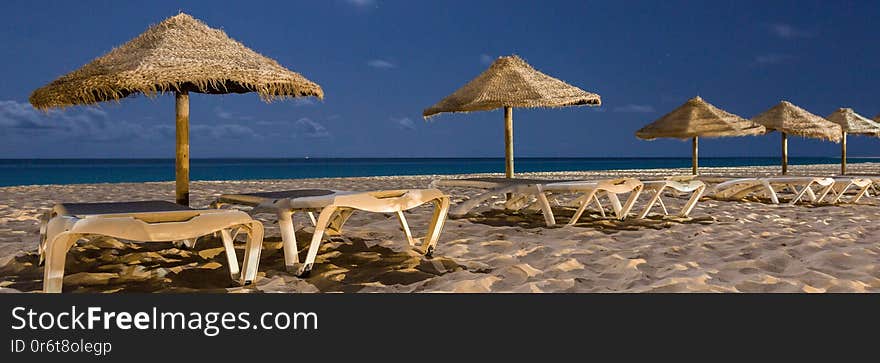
(830, 158)
(816, 169)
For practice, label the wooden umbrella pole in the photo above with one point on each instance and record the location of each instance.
(843, 153)
(694, 162)
(182, 147)
(784, 154)
(508, 142)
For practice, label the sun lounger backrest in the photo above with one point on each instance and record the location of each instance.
(622, 185)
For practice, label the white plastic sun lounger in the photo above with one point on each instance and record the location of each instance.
(144, 221)
(335, 208)
(804, 188)
(658, 187)
(874, 187)
(522, 190)
(836, 194)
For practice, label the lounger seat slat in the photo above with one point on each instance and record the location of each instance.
(253, 199)
(82, 209)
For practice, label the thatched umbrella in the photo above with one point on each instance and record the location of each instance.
(697, 118)
(790, 119)
(180, 55)
(511, 82)
(851, 123)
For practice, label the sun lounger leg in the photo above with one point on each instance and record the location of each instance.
(229, 247)
(615, 203)
(630, 202)
(842, 192)
(516, 201)
(811, 194)
(770, 192)
(44, 230)
(862, 192)
(833, 196)
(312, 218)
(874, 189)
(583, 206)
(185, 243)
(549, 218)
(466, 206)
(405, 226)
(252, 250)
(553, 200)
(800, 195)
(288, 240)
(822, 193)
(651, 202)
(692, 202)
(338, 220)
(663, 206)
(441, 208)
(599, 205)
(320, 227)
(56, 254)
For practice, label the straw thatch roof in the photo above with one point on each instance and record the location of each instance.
(698, 118)
(179, 54)
(853, 123)
(790, 119)
(511, 82)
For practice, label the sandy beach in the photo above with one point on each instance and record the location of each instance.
(723, 247)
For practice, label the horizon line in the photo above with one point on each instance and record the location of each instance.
(442, 157)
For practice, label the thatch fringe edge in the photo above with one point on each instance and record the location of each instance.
(807, 135)
(592, 103)
(267, 92)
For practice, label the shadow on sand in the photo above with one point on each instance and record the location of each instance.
(534, 219)
(107, 265)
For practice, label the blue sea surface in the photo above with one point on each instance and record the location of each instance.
(73, 171)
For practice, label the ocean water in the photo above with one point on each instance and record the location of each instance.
(72, 171)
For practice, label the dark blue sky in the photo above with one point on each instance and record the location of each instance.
(381, 62)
